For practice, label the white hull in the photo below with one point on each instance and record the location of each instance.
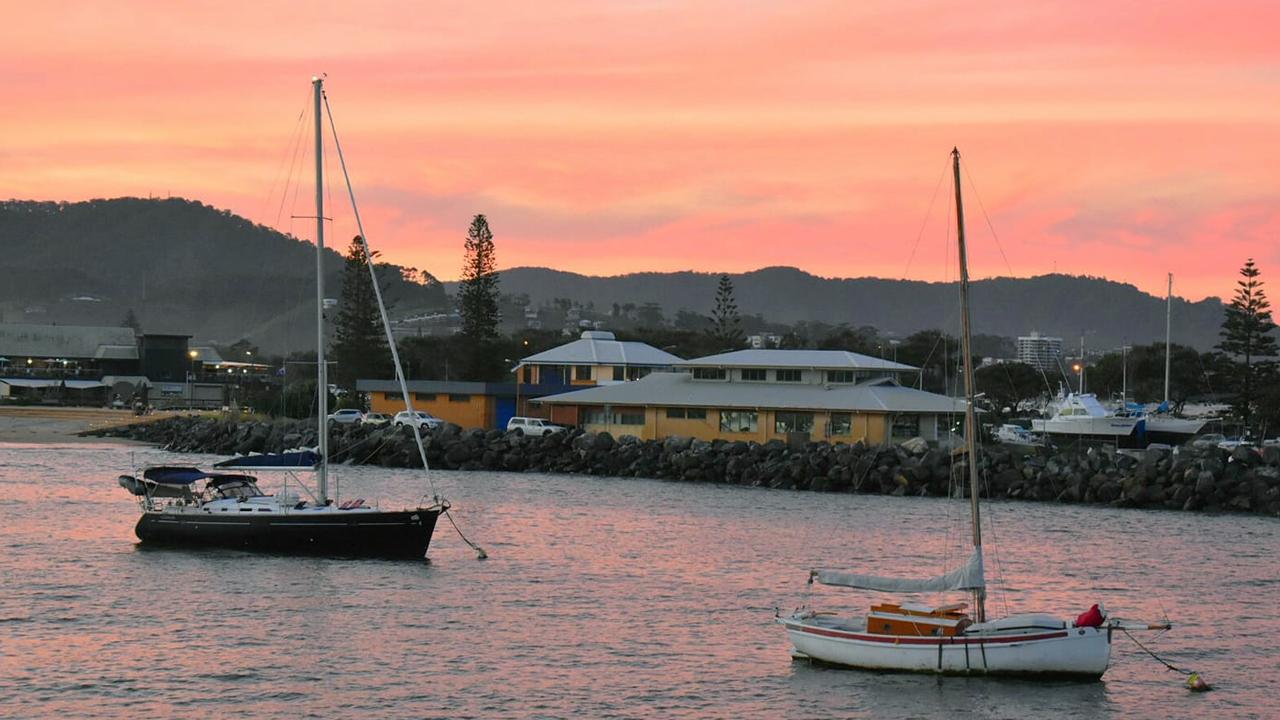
(1173, 425)
(1063, 651)
(1117, 427)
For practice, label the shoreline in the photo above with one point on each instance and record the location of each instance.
(45, 425)
(1192, 479)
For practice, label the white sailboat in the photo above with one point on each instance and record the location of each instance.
(947, 639)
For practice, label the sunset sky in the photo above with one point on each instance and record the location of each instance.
(1121, 139)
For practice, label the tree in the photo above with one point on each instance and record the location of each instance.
(1007, 385)
(726, 323)
(478, 291)
(1245, 335)
(359, 345)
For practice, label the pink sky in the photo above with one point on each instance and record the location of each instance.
(1121, 139)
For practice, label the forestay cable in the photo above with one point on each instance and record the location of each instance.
(386, 326)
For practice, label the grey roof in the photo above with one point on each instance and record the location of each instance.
(681, 390)
(600, 348)
(815, 359)
(116, 352)
(59, 341)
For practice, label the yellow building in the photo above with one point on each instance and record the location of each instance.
(761, 395)
(468, 404)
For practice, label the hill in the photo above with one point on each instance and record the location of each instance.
(1108, 313)
(181, 266)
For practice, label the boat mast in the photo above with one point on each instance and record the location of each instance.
(322, 370)
(970, 417)
(1168, 320)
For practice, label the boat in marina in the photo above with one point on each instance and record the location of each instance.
(957, 638)
(1017, 436)
(225, 506)
(1078, 416)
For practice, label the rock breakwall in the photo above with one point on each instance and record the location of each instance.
(1242, 480)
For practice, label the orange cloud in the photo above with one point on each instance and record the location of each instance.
(1124, 140)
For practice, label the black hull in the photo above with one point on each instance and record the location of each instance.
(394, 534)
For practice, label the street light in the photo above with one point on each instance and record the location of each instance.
(191, 376)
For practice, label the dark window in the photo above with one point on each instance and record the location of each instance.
(906, 426)
(636, 373)
(675, 413)
(629, 417)
(839, 376)
(708, 374)
(459, 398)
(841, 424)
(754, 374)
(696, 413)
(594, 416)
(424, 397)
(786, 375)
(526, 373)
(738, 421)
(619, 372)
(792, 422)
(581, 372)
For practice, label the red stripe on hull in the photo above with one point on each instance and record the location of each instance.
(904, 640)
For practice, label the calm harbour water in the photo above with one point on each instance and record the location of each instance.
(601, 598)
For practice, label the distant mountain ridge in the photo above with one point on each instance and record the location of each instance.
(181, 266)
(1108, 313)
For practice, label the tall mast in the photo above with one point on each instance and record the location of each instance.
(970, 417)
(322, 370)
(1168, 321)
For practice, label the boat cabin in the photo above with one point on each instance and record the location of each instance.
(918, 620)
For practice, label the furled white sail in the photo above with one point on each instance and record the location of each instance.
(966, 577)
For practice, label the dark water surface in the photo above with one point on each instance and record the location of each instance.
(601, 598)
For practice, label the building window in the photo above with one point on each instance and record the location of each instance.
(593, 416)
(526, 373)
(735, 421)
(459, 398)
(628, 417)
(424, 397)
(675, 413)
(619, 373)
(840, 376)
(687, 413)
(708, 374)
(753, 374)
(906, 426)
(841, 424)
(786, 375)
(784, 422)
(581, 372)
(635, 373)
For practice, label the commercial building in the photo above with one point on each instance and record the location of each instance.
(1041, 352)
(469, 404)
(761, 395)
(596, 358)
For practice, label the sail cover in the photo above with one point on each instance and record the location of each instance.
(966, 577)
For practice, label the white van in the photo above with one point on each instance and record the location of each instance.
(534, 426)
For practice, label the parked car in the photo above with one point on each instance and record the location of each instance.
(418, 418)
(534, 426)
(346, 417)
(374, 418)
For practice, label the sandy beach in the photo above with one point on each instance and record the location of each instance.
(34, 424)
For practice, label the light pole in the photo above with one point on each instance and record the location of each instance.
(191, 377)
